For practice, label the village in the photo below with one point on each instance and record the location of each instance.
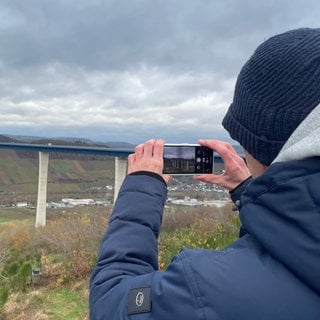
(181, 191)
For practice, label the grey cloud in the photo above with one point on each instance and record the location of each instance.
(124, 35)
(129, 70)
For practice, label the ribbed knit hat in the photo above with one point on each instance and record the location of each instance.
(275, 90)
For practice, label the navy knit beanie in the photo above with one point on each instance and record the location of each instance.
(275, 90)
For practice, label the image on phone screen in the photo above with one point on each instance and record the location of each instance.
(187, 159)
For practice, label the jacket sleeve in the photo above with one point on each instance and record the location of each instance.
(235, 195)
(128, 259)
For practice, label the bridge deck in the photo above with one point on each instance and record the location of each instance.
(112, 152)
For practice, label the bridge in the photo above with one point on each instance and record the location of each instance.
(44, 151)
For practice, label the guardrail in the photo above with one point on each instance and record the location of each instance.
(113, 152)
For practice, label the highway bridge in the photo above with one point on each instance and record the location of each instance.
(44, 150)
(49, 148)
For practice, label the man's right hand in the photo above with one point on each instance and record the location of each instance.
(235, 169)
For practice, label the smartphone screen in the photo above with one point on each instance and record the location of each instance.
(187, 159)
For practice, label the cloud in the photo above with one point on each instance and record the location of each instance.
(113, 102)
(130, 70)
(120, 35)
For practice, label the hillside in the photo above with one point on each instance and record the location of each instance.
(68, 176)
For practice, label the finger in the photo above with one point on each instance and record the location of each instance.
(218, 145)
(230, 147)
(131, 163)
(219, 180)
(158, 148)
(225, 150)
(131, 158)
(167, 178)
(139, 151)
(206, 177)
(148, 148)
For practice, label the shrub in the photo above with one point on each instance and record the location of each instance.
(201, 227)
(69, 246)
(65, 250)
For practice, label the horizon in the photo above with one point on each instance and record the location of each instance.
(79, 139)
(88, 142)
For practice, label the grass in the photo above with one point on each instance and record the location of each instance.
(22, 214)
(66, 251)
(197, 227)
(65, 303)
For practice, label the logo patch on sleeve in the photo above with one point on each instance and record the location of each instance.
(139, 300)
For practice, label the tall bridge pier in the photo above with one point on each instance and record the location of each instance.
(120, 174)
(42, 189)
(41, 212)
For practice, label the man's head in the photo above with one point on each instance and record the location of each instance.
(275, 91)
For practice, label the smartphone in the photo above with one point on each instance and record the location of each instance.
(187, 159)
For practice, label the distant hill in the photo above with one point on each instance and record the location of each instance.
(4, 138)
(63, 141)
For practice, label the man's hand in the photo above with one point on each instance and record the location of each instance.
(235, 169)
(148, 157)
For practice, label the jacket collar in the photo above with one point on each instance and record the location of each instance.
(304, 141)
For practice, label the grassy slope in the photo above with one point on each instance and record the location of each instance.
(65, 176)
(64, 303)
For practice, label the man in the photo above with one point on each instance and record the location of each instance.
(273, 270)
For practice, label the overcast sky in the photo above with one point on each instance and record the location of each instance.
(131, 70)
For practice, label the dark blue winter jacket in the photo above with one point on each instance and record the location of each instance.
(271, 273)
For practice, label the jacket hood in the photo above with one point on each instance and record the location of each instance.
(304, 141)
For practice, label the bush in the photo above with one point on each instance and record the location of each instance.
(69, 246)
(201, 227)
(65, 250)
